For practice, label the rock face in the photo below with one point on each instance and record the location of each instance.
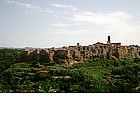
(75, 54)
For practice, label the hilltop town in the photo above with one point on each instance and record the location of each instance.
(78, 53)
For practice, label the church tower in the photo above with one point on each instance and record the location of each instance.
(108, 40)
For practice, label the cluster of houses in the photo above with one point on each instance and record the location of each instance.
(79, 53)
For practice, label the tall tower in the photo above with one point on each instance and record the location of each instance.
(108, 40)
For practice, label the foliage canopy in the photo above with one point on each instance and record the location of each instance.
(97, 75)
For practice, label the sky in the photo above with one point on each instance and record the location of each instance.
(57, 23)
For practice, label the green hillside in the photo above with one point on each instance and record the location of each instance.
(97, 75)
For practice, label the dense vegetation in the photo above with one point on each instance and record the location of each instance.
(97, 75)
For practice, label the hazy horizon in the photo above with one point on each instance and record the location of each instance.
(28, 23)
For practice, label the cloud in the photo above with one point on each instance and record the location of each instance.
(63, 25)
(67, 32)
(69, 20)
(49, 10)
(62, 6)
(30, 6)
(100, 18)
(65, 28)
(26, 5)
(61, 9)
(82, 31)
(120, 24)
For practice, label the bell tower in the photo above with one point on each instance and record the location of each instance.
(108, 40)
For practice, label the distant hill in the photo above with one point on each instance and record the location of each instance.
(15, 48)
